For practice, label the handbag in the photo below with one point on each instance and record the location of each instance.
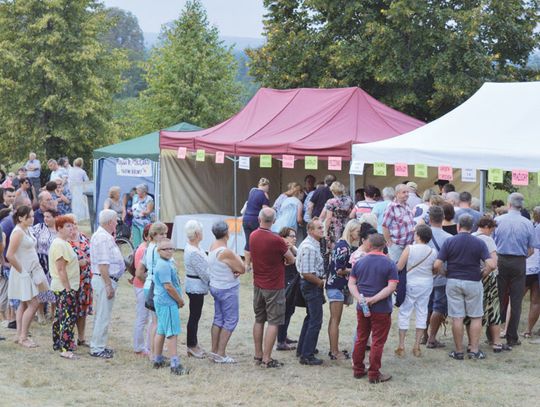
(149, 300)
(401, 289)
(39, 278)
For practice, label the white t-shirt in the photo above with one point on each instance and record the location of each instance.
(421, 275)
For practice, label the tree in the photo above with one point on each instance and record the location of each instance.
(126, 34)
(191, 77)
(421, 57)
(57, 78)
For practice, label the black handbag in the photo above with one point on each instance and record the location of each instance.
(149, 300)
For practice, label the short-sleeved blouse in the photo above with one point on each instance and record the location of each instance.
(339, 259)
(256, 199)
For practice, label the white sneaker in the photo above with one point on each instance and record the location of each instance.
(226, 360)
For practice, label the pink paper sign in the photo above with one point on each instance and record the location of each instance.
(334, 163)
(446, 173)
(288, 161)
(182, 152)
(220, 157)
(520, 177)
(401, 170)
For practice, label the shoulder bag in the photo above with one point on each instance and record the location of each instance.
(401, 289)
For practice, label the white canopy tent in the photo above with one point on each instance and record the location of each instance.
(498, 127)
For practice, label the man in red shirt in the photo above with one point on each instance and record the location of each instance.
(269, 255)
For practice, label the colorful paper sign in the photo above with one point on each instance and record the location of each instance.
(468, 175)
(334, 163)
(243, 163)
(446, 173)
(220, 157)
(182, 152)
(379, 169)
(265, 161)
(495, 175)
(311, 162)
(357, 168)
(520, 177)
(200, 155)
(420, 170)
(401, 170)
(288, 161)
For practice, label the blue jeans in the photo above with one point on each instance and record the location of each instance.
(314, 297)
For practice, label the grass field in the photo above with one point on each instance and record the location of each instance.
(39, 377)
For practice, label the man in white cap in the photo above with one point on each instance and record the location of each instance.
(413, 199)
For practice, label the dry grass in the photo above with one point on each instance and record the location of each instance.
(40, 377)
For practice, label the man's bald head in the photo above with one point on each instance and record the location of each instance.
(267, 217)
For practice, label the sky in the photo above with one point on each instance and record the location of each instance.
(233, 18)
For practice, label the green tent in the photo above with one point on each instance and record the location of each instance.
(146, 146)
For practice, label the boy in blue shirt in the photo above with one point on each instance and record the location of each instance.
(167, 300)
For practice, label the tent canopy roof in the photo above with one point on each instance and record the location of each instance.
(498, 127)
(146, 146)
(305, 121)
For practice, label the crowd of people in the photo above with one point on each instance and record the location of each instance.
(438, 254)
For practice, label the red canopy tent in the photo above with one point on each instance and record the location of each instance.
(321, 122)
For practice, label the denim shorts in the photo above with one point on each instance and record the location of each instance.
(226, 307)
(333, 295)
(438, 301)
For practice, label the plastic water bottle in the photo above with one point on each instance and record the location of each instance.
(365, 307)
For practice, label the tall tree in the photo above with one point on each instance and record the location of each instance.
(422, 57)
(126, 34)
(57, 78)
(191, 77)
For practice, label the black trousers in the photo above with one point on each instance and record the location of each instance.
(511, 282)
(196, 302)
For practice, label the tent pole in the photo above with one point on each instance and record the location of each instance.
(352, 184)
(483, 174)
(235, 166)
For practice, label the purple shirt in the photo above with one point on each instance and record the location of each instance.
(256, 199)
(373, 272)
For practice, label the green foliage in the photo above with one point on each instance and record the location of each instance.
(421, 57)
(191, 76)
(125, 34)
(57, 78)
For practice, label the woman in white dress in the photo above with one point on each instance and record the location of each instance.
(25, 274)
(77, 180)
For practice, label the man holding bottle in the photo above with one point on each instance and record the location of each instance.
(372, 281)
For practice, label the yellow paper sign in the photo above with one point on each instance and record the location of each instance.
(495, 175)
(420, 171)
(311, 162)
(379, 169)
(200, 155)
(265, 161)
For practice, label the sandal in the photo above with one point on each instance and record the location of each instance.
(28, 343)
(498, 347)
(272, 363)
(82, 343)
(342, 355)
(416, 352)
(456, 355)
(476, 355)
(285, 346)
(400, 352)
(69, 355)
(257, 360)
(435, 345)
(526, 335)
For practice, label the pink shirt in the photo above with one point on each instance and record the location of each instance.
(139, 254)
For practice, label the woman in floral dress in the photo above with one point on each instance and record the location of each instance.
(337, 211)
(81, 245)
(45, 233)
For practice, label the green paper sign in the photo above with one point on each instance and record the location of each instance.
(420, 171)
(200, 155)
(265, 161)
(495, 175)
(379, 169)
(311, 162)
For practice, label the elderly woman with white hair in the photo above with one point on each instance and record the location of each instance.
(378, 210)
(114, 202)
(143, 208)
(197, 284)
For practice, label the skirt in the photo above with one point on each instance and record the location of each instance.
(21, 286)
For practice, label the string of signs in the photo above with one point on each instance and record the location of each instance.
(445, 172)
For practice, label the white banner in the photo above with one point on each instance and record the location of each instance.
(243, 163)
(357, 168)
(468, 175)
(133, 167)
